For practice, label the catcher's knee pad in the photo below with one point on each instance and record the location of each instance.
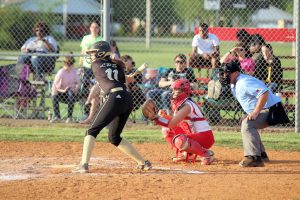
(165, 131)
(181, 142)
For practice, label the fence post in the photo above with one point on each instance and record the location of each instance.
(297, 113)
(148, 23)
(106, 20)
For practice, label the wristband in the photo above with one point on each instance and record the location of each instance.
(162, 121)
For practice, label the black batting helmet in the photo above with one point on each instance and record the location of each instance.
(101, 48)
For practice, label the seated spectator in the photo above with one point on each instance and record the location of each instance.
(134, 88)
(42, 42)
(65, 88)
(162, 95)
(93, 100)
(261, 65)
(151, 80)
(240, 54)
(244, 39)
(205, 48)
(275, 71)
(267, 66)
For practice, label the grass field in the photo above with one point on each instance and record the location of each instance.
(138, 134)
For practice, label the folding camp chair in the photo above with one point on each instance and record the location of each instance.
(15, 90)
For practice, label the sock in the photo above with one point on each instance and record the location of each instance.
(129, 150)
(88, 146)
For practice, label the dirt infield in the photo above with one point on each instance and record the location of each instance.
(39, 170)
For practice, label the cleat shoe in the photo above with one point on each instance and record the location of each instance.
(69, 120)
(264, 157)
(252, 161)
(145, 166)
(55, 120)
(185, 157)
(81, 168)
(207, 160)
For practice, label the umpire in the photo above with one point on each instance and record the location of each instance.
(115, 109)
(262, 109)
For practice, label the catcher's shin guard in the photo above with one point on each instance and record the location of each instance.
(183, 143)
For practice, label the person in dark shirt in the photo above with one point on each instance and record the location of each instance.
(114, 111)
(275, 71)
(137, 93)
(162, 95)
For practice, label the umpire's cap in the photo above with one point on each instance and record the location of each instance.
(230, 67)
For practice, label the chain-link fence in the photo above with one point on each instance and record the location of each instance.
(38, 73)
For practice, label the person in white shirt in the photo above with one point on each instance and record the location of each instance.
(205, 48)
(42, 42)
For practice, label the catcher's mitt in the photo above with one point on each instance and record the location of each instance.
(149, 109)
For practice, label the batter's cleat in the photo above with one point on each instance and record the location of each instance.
(81, 168)
(145, 166)
(264, 157)
(252, 161)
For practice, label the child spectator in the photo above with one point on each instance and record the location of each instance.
(65, 88)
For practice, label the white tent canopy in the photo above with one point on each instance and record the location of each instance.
(269, 17)
(77, 7)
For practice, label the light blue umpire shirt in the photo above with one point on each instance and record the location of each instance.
(248, 89)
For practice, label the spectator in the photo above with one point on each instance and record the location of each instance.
(42, 42)
(275, 71)
(261, 65)
(262, 109)
(244, 39)
(267, 66)
(205, 48)
(137, 94)
(187, 130)
(115, 50)
(240, 54)
(162, 95)
(94, 98)
(65, 88)
(86, 44)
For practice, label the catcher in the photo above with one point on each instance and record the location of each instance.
(187, 130)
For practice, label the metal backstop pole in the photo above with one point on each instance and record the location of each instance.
(297, 112)
(106, 20)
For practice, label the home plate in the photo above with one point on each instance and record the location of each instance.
(179, 171)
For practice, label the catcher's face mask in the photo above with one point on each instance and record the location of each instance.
(224, 78)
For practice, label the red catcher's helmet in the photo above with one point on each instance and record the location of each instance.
(183, 85)
(185, 88)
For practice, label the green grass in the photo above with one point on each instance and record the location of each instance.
(61, 133)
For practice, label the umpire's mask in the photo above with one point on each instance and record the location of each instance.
(226, 69)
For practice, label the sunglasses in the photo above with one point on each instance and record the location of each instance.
(39, 30)
(179, 61)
